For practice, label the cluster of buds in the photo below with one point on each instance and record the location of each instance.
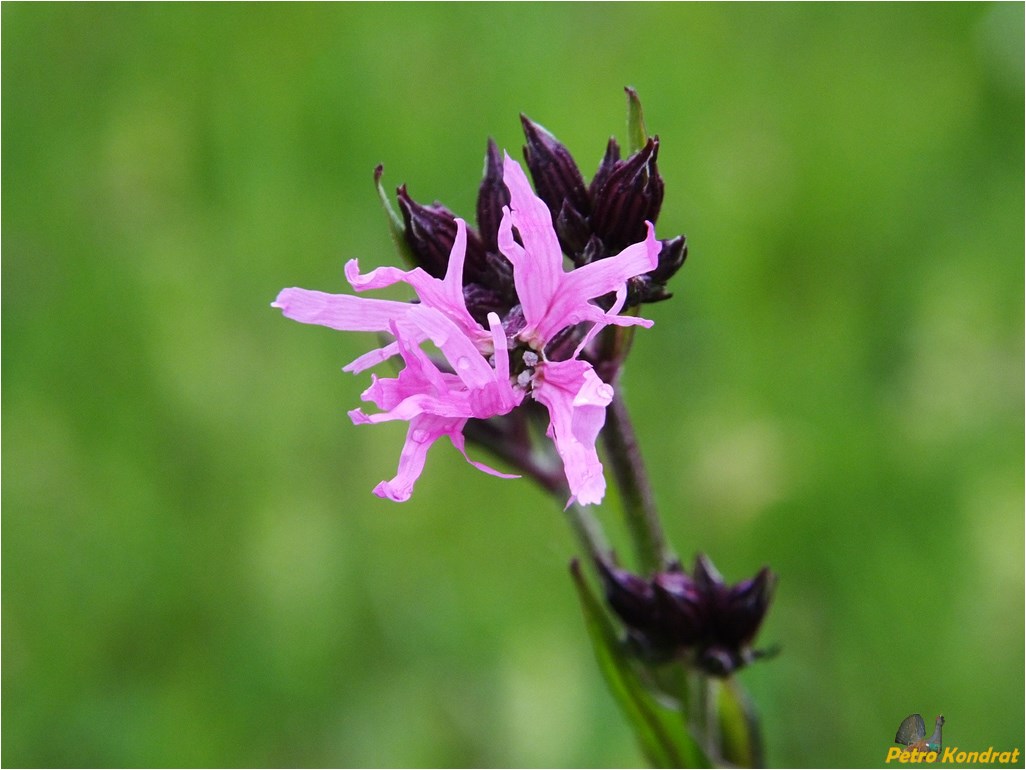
(592, 222)
(698, 617)
(600, 220)
(596, 227)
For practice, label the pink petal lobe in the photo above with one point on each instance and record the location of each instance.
(459, 350)
(605, 275)
(419, 388)
(459, 442)
(576, 399)
(339, 311)
(371, 358)
(444, 295)
(422, 433)
(538, 264)
(534, 223)
(378, 278)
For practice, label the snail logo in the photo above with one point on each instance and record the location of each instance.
(919, 749)
(912, 734)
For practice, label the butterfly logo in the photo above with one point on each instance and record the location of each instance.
(912, 734)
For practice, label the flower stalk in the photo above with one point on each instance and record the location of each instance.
(636, 496)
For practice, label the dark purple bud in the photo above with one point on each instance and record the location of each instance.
(721, 661)
(745, 608)
(698, 617)
(430, 232)
(488, 285)
(491, 197)
(572, 230)
(482, 300)
(555, 174)
(706, 574)
(498, 274)
(671, 258)
(631, 195)
(651, 287)
(563, 344)
(682, 607)
(606, 167)
(631, 597)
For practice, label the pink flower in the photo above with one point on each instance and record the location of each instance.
(435, 403)
(477, 381)
(553, 299)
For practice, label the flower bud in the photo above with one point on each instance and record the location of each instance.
(631, 597)
(671, 258)
(555, 174)
(606, 167)
(573, 232)
(631, 194)
(651, 287)
(430, 232)
(745, 607)
(696, 617)
(491, 197)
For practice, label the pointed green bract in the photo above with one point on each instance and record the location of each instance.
(396, 226)
(636, 134)
(661, 732)
(740, 739)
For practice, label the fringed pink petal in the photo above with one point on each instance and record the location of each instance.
(424, 431)
(459, 350)
(576, 399)
(339, 311)
(371, 358)
(459, 442)
(445, 295)
(533, 221)
(605, 275)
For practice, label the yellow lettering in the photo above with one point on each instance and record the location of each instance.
(893, 753)
(915, 756)
(952, 755)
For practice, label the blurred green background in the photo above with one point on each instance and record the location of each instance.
(195, 571)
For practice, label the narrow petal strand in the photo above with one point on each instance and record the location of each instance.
(459, 442)
(461, 353)
(533, 221)
(606, 275)
(611, 317)
(445, 295)
(339, 311)
(424, 431)
(371, 358)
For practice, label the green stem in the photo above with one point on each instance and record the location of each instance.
(639, 506)
(588, 531)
